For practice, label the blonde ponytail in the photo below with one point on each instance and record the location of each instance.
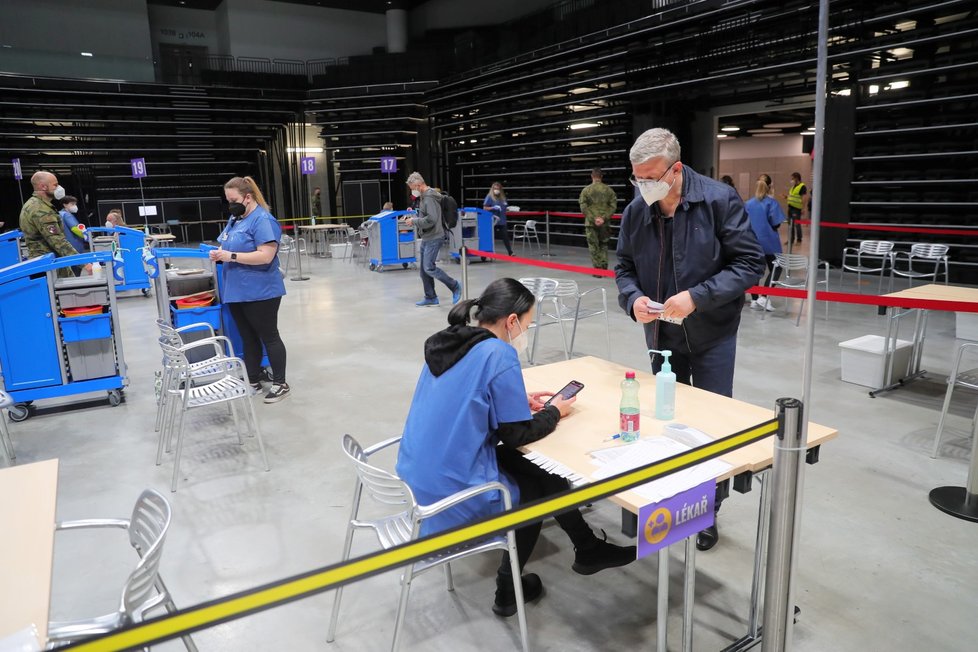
(248, 186)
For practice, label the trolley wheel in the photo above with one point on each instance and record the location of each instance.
(457, 261)
(404, 265)
(18, 412)
(372, 267)
(115, 397)
(145, 292)
(380, 268)
(484, 259)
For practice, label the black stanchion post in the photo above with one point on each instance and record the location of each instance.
(463, 253)
(787, 476)
(961, 502)
(546, 221)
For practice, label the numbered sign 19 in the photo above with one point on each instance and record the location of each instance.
(388, 164)
(18, 174)
(308, 165)
(138, 168)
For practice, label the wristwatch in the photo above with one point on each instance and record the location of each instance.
(234, 256)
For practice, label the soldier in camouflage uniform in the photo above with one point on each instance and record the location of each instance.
(598, 203)
(41, 224)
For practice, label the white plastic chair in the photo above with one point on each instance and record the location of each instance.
(292, 248)
(544, 290)
(568, 300)
(523, 232)
(874, 250)
(924, 254)
(797, 263)
(228, 385)
(957, 378)
(403, 526)
(144, 590)
(6, 447)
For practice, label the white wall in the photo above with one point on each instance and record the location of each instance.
(788, 145)
(444, 14)
(46, 38)
(746, 158)
(182, 26)
(261, 28)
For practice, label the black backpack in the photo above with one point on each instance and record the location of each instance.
(449, 211)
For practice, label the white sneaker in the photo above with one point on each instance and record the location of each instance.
(766, 304)
(756, 305)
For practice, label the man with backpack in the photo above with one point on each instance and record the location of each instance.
(430, 229)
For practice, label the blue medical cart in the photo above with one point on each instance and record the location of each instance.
(129, 247)
(390, 240)
(10, 248)
(45, 354)
(474, 230)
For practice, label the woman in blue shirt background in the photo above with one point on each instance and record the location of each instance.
(253, 286)
(495, 202)
(765, 217)
(470, 413)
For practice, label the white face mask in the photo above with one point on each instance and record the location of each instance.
(415, 193)
(59, 193)
(495, 191)
(72, 209)
(653, 191)
(521, 341)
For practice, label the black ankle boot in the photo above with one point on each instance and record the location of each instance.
(602, 555)
(505, 604)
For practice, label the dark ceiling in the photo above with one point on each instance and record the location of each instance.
(371, 6)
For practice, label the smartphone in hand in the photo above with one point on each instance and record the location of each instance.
(569, 390)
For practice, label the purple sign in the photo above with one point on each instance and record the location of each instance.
(138, 168)
(388, 164)
(18, 174)
(308, 165)
(674, 519)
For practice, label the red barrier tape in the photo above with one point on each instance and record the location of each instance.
(834, 297)
(893, 229)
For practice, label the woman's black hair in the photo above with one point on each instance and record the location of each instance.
(500, 299)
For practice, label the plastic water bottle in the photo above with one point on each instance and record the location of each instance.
(629, 408)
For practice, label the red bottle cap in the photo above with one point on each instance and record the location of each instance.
(630, 375)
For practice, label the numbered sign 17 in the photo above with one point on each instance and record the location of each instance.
(308, 165)
(388, 164)
(138, 168)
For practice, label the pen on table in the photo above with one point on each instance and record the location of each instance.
(613, 437)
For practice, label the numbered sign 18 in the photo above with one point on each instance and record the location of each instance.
(138, 168)
(18, 174)
(388, 164)
(308, 165)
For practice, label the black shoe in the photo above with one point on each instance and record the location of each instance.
(707, 538)
(255, 388)
(505, 605)
(601, 556)
(277, 393)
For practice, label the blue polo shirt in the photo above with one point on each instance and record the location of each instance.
(70, 221)
(251, 282)
(492, 201)
(449, 441)
(765, 217)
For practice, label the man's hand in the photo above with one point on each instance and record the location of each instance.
(641, 311)
(537, 399)
(679, 306)
(599, 221)
(87, 268)
(409, 221)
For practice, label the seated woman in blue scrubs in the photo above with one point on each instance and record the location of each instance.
(469, 414)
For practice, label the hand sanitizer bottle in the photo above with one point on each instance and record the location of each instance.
(665, 389)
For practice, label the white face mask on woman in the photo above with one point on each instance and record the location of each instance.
(521, 341)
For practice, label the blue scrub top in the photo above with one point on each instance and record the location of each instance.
(251, 282)
(765, 216)
(492, 201)
(449, 441)
(69, 222)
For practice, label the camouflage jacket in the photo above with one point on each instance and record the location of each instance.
(598, 200)
(43, 230)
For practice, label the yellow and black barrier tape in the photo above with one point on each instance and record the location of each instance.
(238, 605)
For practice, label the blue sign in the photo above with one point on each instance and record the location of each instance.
(17, 172)
(674, 519)
(138, 168)
(308, 165)
(388, 164)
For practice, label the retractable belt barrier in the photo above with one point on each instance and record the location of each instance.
(267, 596)
(834, 297)
(929, 230)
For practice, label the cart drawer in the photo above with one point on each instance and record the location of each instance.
(91, 359)
(205, 315)
(83, 297)
(405, 250)
(90, 327)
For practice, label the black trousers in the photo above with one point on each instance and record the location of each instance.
(503, 233)
(772, 274)
(257, 322)
(534, 484)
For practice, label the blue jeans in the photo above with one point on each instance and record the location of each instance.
(430, 270)
(711, 370)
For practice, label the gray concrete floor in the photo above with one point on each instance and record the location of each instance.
(880, 569)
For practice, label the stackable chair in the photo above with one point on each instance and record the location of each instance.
(567, 300)
(544, 289)
(225, 382)
(144, 589)
(523, 232)
(292, 248)
(879, 254)
(925, 255)
(405, 524)
(957, 378)
(797, 263)
(6, 447)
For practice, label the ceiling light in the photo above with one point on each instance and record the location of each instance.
(730, 128)
(778, 135)
(763, 131)
(584, 125)
(873, 89)
(722, 136)
(903, 83)
(87, 54)
(782, 125)
(305, 150)
(845, 92)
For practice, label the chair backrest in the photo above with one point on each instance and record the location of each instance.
(173, 357)
(876, 247)
(566, 288)
(923, 250)
(350, 231)
(539, 286)
(531, 225)
(147, 532)
(790, 262)
(285, 244)
(383, 486)
(169, 333)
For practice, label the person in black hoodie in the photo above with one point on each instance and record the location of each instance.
(470, 413)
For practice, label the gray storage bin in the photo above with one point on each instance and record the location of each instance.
(181, 285)
(90, 359)
(405, 249)
(75, 297)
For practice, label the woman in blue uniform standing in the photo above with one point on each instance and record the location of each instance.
(495, 202)
(470, 413)
(253, 286)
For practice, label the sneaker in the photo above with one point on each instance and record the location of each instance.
(601, 556)
(505, 604)
(457, 294)
(707, 538)
(277, 393)
(765, 303)
(255, 387)
(756, 305)
(428, 302)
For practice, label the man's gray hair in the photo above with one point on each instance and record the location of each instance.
(415, 177)
(655, 143)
